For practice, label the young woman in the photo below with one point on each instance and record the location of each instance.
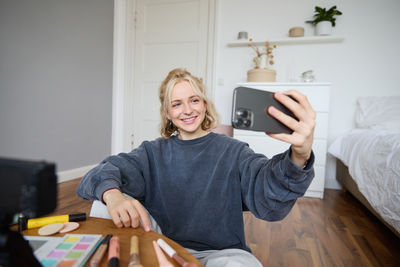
(194, 183)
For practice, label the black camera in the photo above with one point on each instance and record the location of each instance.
(28, 188)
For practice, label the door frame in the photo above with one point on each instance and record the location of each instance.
(123, 66)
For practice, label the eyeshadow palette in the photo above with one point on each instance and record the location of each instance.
(71, 250)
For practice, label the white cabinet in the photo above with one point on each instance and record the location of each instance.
(318, 95)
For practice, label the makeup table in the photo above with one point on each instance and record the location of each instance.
(146, 251)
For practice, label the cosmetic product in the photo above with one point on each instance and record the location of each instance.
(68, 250)
(134, 260)
(95, 261)
(21, 222)
(173, 254)
(69, 227)
(113, 252)
(38, 222)
(50, 229)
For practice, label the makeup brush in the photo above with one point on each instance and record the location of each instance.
(134, 260)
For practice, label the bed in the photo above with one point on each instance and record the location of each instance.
(368, 164)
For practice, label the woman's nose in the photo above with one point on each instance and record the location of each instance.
(187, 109)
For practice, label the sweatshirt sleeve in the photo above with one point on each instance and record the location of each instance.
(270, 187)
(123, 171)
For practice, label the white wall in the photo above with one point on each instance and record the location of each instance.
(364, 64)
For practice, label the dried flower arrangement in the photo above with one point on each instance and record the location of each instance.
(267, 52)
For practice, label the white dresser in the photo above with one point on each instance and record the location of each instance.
(318, 95)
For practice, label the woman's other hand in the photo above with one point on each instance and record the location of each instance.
(162, 260)
(303, 130)
(124, 211)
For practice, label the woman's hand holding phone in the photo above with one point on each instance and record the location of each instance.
(303, 129)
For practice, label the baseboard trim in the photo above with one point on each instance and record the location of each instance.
(332, 184)
(68, 175)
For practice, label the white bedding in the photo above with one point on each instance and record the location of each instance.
(373, 160)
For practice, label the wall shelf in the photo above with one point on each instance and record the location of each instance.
(291, 40)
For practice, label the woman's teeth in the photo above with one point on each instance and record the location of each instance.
(189, 119)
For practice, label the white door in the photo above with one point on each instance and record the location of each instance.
(168, 34)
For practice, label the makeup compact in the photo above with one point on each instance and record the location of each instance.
(70, 250)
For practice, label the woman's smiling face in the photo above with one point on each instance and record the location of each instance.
(187, 111)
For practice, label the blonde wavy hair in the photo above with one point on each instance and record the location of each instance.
(175, 76)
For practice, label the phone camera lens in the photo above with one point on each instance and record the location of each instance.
(242, 113)
(247, 123)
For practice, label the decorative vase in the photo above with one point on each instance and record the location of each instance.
(261, 75)
(323, 28)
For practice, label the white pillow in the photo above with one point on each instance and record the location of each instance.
(374, 112)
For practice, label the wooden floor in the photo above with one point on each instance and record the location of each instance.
(335, 231)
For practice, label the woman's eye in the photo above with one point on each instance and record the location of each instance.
(175, 105)
(195, 100)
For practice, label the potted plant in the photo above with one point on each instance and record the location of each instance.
(324, 20)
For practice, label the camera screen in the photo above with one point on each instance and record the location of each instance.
(27, 186)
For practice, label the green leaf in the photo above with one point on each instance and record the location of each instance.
(332, 9)
(319, 9)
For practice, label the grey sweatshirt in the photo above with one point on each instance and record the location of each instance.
(195, 189)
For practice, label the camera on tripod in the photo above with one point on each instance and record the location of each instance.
(30, 188)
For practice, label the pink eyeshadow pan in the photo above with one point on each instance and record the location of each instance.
(56, 254)
(81, 246)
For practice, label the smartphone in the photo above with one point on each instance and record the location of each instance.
(250, 111)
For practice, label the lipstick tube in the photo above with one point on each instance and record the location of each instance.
(113, 252)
